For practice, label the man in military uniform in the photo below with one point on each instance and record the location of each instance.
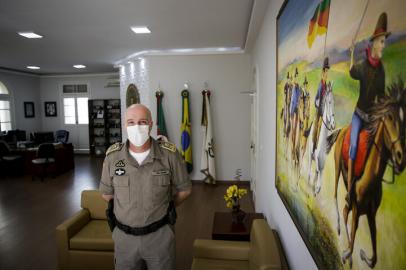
(145, 179)
(371, 76)
(319, 102)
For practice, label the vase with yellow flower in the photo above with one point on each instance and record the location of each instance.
(232, 198)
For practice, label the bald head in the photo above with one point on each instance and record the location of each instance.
(138, 114)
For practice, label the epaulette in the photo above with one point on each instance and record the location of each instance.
(168, 146)
(113, 148)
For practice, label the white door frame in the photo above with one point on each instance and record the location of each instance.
(76, 126)
(254, 130)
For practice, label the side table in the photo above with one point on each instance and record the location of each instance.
(224, 229)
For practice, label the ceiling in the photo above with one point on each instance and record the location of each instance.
(97, 33)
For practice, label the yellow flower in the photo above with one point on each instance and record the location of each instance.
(233, 194)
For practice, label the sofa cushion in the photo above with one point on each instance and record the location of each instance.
(264, 253)
(212, 264)
(222, 250)
(95, 235)
(94, 202)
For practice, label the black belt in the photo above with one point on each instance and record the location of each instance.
(169, 218)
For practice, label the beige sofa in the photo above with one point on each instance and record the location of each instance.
(261, 253)
(84, 240)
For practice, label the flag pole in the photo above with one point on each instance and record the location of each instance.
(325, 39)
(359, 25)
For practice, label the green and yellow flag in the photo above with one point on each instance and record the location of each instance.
(319, 22)
(185, 129)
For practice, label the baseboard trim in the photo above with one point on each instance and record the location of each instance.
(223, 182)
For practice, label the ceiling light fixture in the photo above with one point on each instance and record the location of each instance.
(33, 67)
(29, 35)
(140, 30)
(79, 66)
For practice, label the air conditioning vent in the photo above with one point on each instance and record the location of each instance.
(74, 88)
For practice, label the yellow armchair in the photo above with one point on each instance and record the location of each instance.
(84, 240)
(261, 253)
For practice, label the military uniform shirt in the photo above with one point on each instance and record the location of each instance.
(142, 192)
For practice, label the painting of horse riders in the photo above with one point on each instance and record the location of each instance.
(341, 129)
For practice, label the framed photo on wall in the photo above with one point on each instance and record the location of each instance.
(340, 129)
(29, 110)
(50, 109)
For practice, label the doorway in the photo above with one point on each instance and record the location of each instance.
(76, 116)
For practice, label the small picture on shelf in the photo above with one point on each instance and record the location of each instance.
(100, 114)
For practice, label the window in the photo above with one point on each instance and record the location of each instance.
(69, 109)
(5, 113)
(82, 106)
(75, 110)
(3, 89)
(75, 104)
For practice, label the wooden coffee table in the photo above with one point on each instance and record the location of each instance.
(224, 229)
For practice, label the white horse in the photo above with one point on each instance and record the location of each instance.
(327, 127)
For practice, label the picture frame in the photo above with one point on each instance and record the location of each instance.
(50, 109)
(29, 109)
(315, 52)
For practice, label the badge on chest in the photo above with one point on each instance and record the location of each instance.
(119, 172)
(160, 172)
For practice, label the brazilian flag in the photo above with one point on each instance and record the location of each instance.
(160, 122)
(186, 138)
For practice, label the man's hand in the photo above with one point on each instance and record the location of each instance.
(107, 197)
(181, 196)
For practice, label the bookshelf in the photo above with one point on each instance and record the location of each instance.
(104, 124)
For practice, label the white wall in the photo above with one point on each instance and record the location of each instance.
(23, 88)
(267, 198)
(227, 76)
(51, 90)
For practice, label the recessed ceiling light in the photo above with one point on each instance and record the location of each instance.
(33, 67)
(79, 66)
(29, 35)
(140, 30)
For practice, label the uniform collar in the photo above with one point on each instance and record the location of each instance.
(153, 153)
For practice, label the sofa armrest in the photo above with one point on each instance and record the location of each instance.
(65, 231)
(219, 249)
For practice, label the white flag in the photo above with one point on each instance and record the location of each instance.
(207, 160)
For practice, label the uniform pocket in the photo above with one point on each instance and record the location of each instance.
(122, 189)
(161, 189)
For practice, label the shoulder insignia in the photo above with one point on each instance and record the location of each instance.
(168, 146)
(120, 163)
(115, 147)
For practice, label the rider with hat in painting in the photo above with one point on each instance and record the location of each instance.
(319, 102)
(371, 76)
(294, 106)
(288, 92)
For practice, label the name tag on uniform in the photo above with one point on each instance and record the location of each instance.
(160, 172)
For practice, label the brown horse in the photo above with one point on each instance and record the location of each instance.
(385, 131)
(303, 130)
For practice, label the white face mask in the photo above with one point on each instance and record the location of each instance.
(138, 134)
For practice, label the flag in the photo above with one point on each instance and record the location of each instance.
(319, 22)
(186, 138)
(160, 121)
(207, 161)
